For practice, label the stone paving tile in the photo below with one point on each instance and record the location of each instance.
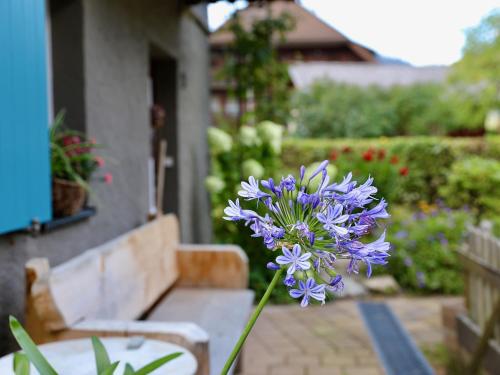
(331, 340)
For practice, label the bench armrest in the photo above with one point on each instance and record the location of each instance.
(185, 334)
(214, 266)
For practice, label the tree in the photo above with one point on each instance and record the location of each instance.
(475, 78)
(254, 71)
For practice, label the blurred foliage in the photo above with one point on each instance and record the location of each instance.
(474, 182)
(329, 109)
(425, 242)
(475, 79)
(429, 163)
(253, 70)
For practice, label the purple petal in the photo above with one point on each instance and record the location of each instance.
(305, 301)
(296, 293)
(296, 250)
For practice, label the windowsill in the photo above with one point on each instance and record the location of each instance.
(60, 222)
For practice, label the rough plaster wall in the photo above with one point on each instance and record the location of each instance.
(116, 69)
(194, 119)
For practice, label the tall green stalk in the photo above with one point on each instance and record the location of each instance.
(251, 323)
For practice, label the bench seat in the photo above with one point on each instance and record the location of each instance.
(208, 308)
(194, 295)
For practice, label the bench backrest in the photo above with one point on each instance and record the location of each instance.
(120, 279)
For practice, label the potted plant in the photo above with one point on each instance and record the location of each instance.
(73, 163)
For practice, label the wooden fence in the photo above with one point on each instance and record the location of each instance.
(480, 331)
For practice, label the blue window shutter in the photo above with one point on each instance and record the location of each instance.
(25, 182)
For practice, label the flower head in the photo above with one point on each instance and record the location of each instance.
(314, 221)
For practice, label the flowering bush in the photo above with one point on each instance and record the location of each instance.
(311, 228)
(425, 244)
(474, 182)
(72, 155)
(378, 162)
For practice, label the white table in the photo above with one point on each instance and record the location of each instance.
(76, 357)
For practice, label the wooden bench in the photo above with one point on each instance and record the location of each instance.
(145, 283)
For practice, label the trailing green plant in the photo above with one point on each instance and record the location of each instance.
(424, 256)
(31, 354)
(474, 183)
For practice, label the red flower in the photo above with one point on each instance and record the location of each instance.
(381, 154)
(99, 161)
(108, 178)
(367, 155)
(394, 159)
(403, 171)
(346, 149)
(334, 155)
(67, 140)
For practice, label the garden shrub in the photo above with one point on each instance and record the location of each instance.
(425, 242)
(474, 182)
(429, 163)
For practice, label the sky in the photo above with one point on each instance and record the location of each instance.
(421, 32)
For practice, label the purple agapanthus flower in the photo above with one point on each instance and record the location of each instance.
(313, 227)
(295, 259)
(288, 183)
(332, 219)
(309, 290)
(372, 253)
(234, 212)
(265, 228)
(289, 280)
(251, 189)
(336, 284)
(269, 185)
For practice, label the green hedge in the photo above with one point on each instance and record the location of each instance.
(423, 162)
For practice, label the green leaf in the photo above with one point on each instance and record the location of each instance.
(21, 364)
(29, 348)
(110, 369)
(102, 361)
(129, 370)
(157, 363)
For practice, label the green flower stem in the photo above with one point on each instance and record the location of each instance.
(251, 322)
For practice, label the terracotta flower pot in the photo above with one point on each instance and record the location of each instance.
(68, 197)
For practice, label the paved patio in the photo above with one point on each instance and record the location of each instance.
(332, 340)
